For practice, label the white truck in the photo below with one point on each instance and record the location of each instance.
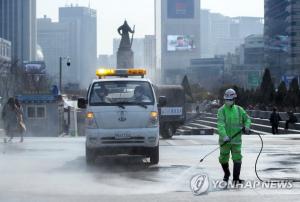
(121, 115)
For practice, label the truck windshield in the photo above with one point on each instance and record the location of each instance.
(116, 93)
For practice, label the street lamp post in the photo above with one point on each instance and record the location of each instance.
(60, 70)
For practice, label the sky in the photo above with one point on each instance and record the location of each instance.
(112, 13)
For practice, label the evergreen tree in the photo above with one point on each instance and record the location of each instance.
(293, 93)
(281, 94)
(267, 89)
(187, 88)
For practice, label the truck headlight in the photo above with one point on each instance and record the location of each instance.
(91, 121)
(153, 122)
(151, 139)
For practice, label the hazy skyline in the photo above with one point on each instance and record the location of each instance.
(112, 13)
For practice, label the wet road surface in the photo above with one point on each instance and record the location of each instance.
(54, 169)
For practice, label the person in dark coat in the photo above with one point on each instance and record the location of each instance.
(292, 119)
(13, 120)
(274, 120)
(21, 125)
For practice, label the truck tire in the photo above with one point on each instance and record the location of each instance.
(167, 131)
(154, 156)
(90, 156)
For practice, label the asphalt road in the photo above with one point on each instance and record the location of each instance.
(54, 169)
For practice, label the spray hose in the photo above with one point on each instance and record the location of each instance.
(270, 180)
(239, 132)
(256, 161)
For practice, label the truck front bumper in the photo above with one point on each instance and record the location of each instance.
(122, 138)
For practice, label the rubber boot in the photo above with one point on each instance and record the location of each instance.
(225, 167)
(236, 173)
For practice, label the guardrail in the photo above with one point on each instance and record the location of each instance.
(266, 114)
(263, 114)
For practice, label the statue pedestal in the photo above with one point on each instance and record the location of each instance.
(125, 59)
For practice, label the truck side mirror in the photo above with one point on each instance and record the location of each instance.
(81, 103)
(162, 101)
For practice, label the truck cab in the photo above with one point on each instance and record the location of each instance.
(173, 114)
(121, 115)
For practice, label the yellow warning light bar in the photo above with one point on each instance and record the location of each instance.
(137, 72)
(105, 72)
(121, 72)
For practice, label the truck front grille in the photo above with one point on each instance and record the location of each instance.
(113, 140)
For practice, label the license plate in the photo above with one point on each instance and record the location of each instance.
(171, 111)
(122, 136)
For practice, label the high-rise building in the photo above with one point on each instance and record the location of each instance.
(293, 28)
(177, 30)
(5, 50)
(5, 59)
(106, 61)
(205, 28)
(242, 27)
(253, 50)
(83, 25)
(55, 41)
(281, 35)
(222, 34)
(150, 56)
(74, 36)
(248, 69)
(18, 25)
(207, 72)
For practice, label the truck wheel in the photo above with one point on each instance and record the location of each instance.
(90, 156)
(167, 131)
(154, 156)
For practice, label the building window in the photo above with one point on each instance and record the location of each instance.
(36, 112)
(31, 112)
(40, 112)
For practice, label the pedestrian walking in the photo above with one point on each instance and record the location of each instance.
(197, 110)
(292, 119)
(13, 119)
(20, 116)
(275, 120)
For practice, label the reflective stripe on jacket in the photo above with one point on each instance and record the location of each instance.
(230, 121)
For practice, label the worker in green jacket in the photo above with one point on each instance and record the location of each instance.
(231, 120)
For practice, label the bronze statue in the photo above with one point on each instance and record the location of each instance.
(124, 31)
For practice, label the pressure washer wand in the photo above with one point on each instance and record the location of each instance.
(201, 160)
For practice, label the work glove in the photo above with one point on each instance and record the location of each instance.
(246, 130)
(226, 139)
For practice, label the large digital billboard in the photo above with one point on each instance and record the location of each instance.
(180, 8)
(279, 43)
(180, 43)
